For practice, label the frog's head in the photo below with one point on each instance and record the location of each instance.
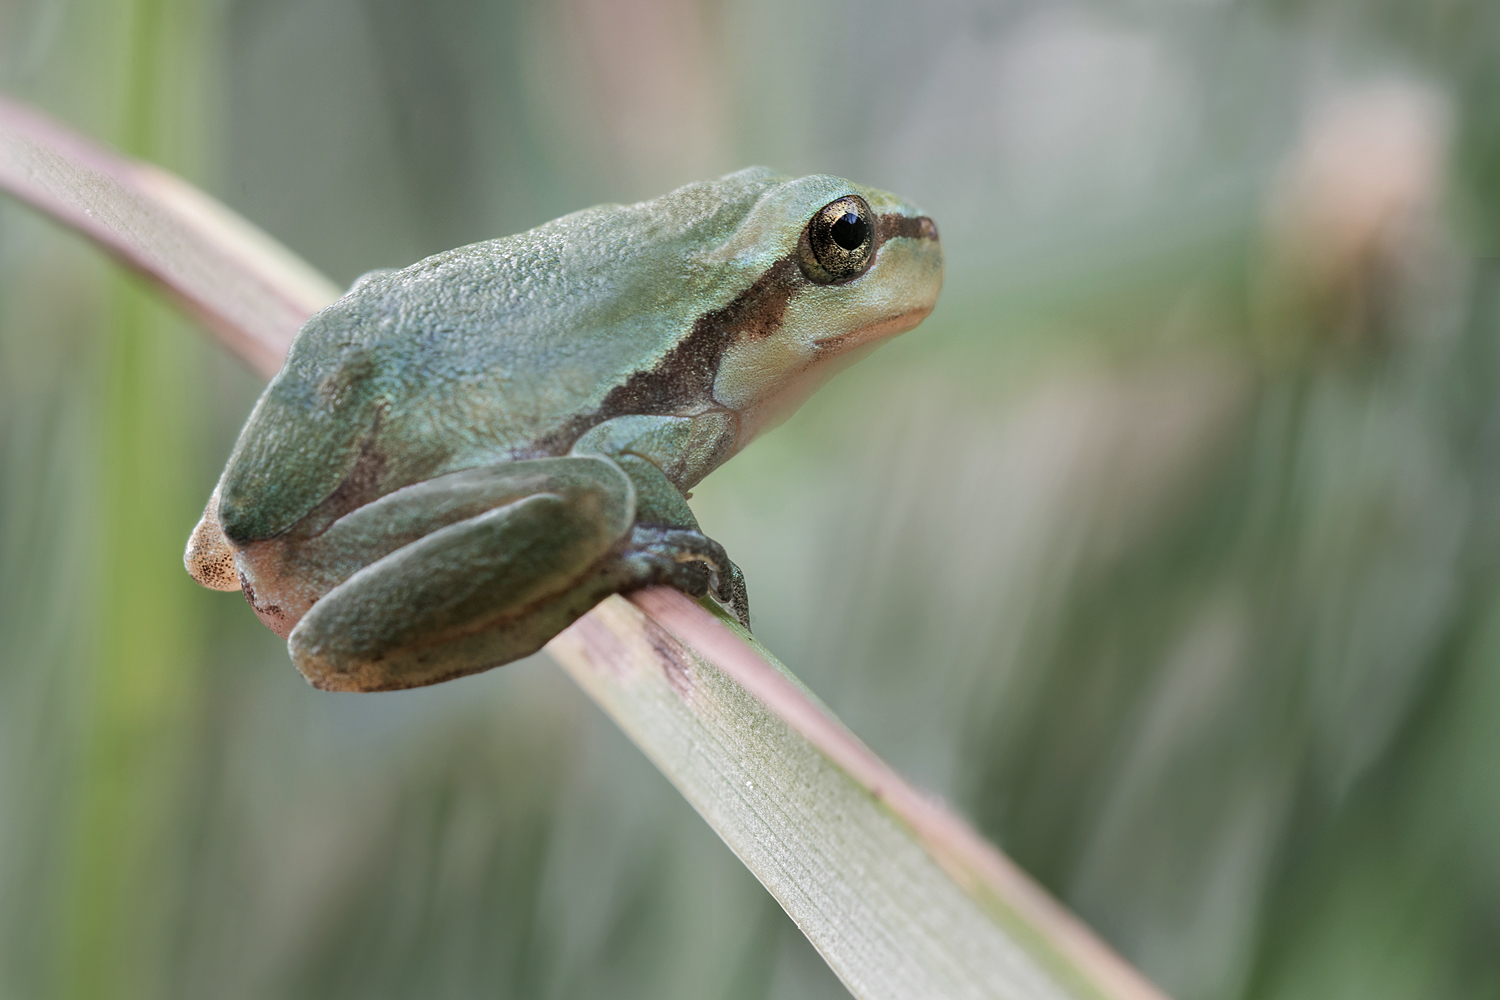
(837, 269)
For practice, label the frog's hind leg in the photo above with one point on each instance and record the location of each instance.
(496, 586)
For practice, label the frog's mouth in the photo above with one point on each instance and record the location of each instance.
(881, 330)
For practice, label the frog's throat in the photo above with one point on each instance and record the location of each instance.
(832, 356)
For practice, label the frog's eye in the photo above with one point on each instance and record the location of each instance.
(839, 241)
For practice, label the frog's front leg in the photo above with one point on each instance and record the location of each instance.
(662, 511)
(646, 447)
(478, 568)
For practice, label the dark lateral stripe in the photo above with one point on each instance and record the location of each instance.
(913, 227)
(685, 377)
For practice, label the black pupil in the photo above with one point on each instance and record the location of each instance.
(850, 231)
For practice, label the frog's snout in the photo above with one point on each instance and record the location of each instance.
(208, 558)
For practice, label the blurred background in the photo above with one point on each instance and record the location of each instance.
(1167, 550)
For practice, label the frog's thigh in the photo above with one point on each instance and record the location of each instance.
(471, 595)
(398, 519)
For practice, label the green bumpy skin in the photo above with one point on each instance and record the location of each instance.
(461, 458)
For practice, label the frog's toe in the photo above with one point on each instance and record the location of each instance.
(690, 561)
(732, 594)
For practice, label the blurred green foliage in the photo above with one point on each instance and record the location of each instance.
(1166, 549)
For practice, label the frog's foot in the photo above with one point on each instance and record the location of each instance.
(688, 560)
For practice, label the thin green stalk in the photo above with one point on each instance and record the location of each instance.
(131, 765)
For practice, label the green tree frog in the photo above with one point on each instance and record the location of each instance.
(461, 458)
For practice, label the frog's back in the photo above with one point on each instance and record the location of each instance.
(498, 350)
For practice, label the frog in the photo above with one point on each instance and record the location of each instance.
(460, 458)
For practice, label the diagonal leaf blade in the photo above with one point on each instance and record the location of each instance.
(248, 289)
(900, 897)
